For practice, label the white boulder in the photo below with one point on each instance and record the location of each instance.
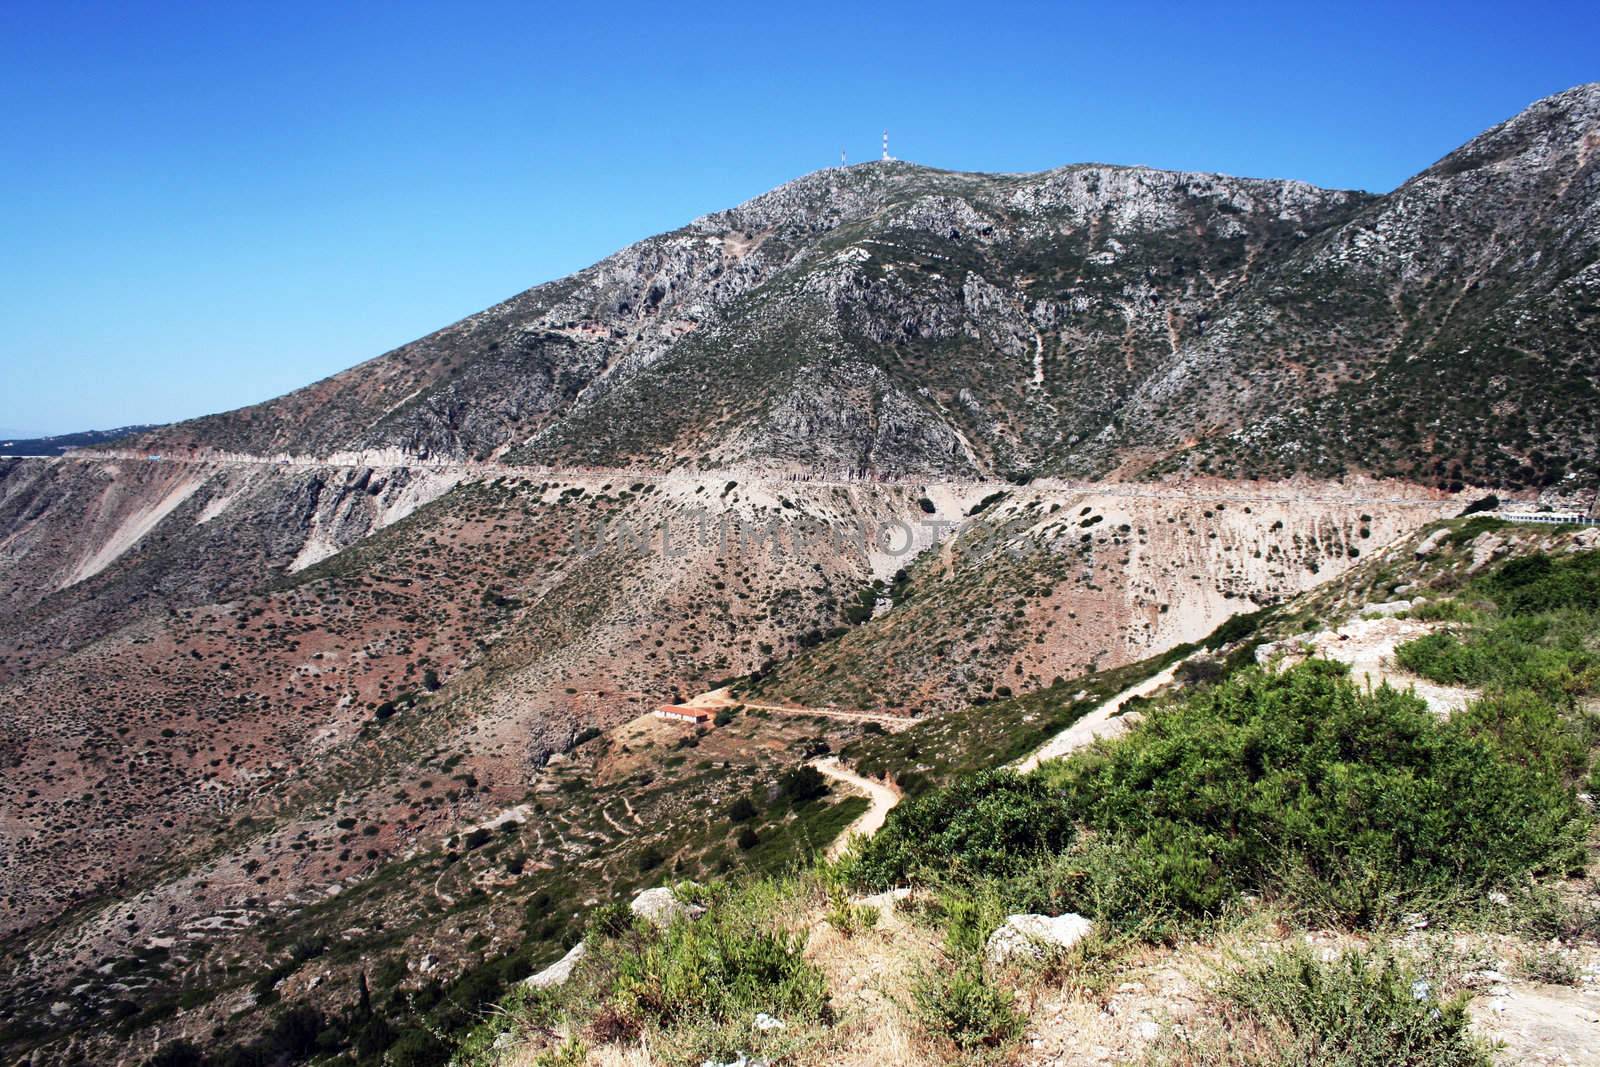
(661, 907)
(1023, 938)
(559, 971)
(1431, 543)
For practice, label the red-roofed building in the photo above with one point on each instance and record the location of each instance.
(679, 713)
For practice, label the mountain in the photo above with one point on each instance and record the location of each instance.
(895, 318)
(353, 689)
(62, 443)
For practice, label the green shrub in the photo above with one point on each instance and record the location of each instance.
(1548, 965)
(1529, 730)
(1547, 653)
(1448, 609)
(1359, 1010)
(847, 917)
(803, 784)
(570, 1053)
(1468, 531)
(962, 1006)
(417, 1048)
(612, 919)
(720, 968)
(1537, 583)
(971, 912)
(988, 823)
(1301, 776)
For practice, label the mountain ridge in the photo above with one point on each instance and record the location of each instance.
(821, 324)
(363, 675)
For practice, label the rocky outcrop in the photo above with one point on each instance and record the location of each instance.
(559, 972)
(661, 907)
(1034, 938)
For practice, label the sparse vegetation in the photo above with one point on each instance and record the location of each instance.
(992, 822)
(967, 1009)
(1360, 1009)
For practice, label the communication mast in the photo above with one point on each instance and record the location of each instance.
(886, 155)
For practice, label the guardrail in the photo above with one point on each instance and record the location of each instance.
(1547, 518)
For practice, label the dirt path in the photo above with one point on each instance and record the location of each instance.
(882, 799)
(1368, 646)
(722, 698)
(1101, 722)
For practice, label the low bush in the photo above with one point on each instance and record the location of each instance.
(612, 919)
(1448, 609)
(802, 784)
(1358, 1010)
(988, 823)
(1301, 777)
(1551, 966)
(721, 968)
(1547, 653)
(849, 918)
(1538, 583)
(963, 1006)
(1529, 730)
(1469, 531)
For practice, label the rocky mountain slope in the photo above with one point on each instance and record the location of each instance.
(363, 674)
(60, 444)
(894, 318)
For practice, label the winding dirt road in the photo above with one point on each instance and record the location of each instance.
(882, 799)
(1101, 722)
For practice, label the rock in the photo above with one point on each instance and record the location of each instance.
(558, 972)
(1034, 937)
(1431, 543)
(1473, 979)
(1486, 548)
(427, 963)
(765, 1022)
(1389, 607)
(661, 907)
(887, 900)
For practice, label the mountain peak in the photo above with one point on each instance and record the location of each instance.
(1565, 124)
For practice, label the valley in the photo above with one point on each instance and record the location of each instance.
(327, 721)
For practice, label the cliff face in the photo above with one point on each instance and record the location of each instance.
(91, 545)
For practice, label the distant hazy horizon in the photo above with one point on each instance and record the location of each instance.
(210, 207)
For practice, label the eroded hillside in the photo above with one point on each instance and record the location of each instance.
(332, 716)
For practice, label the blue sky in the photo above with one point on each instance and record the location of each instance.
(205, 205)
